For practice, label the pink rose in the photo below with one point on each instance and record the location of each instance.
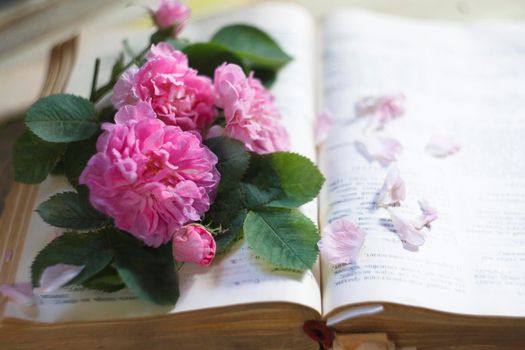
(176, 93)
(151, 178)
(171, 13)
(251, 116)
(193, 243)
(123, 93)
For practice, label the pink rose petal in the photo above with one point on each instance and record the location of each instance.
(380, 109)
(407, 231)
(379, 148)
(57, 276)
(341, 242)
(123, 93)
(429, 214)
(442, 146)
(323, 124)
(393, 190)
(19, 293)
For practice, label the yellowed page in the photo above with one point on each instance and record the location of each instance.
(239, 277)
(463, 81)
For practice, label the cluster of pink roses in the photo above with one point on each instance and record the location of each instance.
(151, 172)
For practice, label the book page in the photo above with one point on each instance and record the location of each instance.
(240, 276)
(462, 81)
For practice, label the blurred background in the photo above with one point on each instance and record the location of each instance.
(29, 29)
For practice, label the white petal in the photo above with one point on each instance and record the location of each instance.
(429, 214)
(393, 190)
(341, 241)
(19, 293)
(323, 124)
(442, 146)
(379, 148)
(411, 237)
(56, 276)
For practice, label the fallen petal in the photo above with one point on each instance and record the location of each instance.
(56, 276)
(411, 237)
(341, 242)
(323, 124)
(381, 149)
(18, 293)
(429, 214)
(393, 190)
(442, 146)
(381, 109)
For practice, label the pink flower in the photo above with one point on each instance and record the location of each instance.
(393, 190)
(140, 110)
(151, 178)
(429, 214)
(407, 230)
(57, 276)
(193, 243)
(442, 146)
(378, 148)
(18, 293)
(323, 124)
(251, 116)
(177, 94)
(381, 109)
(171, 13)
(341, 242)
(123, 93)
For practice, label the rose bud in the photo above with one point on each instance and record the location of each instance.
(193, 243)
(171, 13)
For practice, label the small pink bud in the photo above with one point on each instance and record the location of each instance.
(171, 13)
(193, 243)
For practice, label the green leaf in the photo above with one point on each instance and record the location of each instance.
(260, 185)
(34, 158)
(300, 179)
(205, 57)
(91, 249)
(107, 280)
(254, 46)
(233, 160)
(76, 158)
(71, 210)
(178, 44)
(266, 76)
(149, 273)
(233, 233)
(284, 237)
(226, 215)
(63, 118)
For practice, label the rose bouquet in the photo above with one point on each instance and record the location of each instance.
(189, 157)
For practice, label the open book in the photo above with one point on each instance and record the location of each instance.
(465, 286)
